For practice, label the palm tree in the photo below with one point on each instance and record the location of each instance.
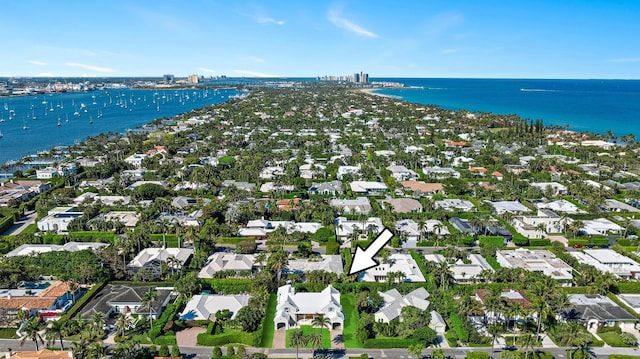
(98, 350)
(315, 339)
(32, 331)
(56, 330)
(320, 321)
(123, 322)
(147, 302)
(573, 334)
(297, 339)
(97, 321)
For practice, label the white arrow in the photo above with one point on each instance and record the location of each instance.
(363, 258)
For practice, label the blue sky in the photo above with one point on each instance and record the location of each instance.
(417, 38)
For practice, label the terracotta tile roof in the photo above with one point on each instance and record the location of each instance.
(497, 174)
(456, 143)
(56, 289)
(41, 354)
(43, 300)
(477, 169)
(422, 186)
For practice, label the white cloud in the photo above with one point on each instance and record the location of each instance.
(90, 67)
(204, 69)
(335, 16)
(627, 59)
(36, 62)
(264, 19)
(254, 59)
(249, 73)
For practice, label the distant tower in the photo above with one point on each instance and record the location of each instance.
(193, 79)
(356, 78)
(168, 78)
(364, 77)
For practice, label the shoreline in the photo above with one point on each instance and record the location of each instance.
(369, 91)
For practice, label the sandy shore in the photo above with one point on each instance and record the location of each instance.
(369, 91)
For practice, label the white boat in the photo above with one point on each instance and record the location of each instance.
(1, 135)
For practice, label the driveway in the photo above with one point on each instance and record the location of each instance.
(279, 339)
(337, 340)
(189, 337)
(22, 223)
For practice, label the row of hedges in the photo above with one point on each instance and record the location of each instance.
(387, 343)
(7, 218)
(230, 285)
(168, 314)
(211, 340)
(83, 300)
(332, 247)
(165, 340)
(458, 326)
(601, 242)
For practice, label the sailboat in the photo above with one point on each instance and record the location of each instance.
(59, 121)
(24, 125)
(90, 120)
(1, 135)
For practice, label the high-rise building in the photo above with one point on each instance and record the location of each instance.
(193, 79)
(364, 77)
(168, 78)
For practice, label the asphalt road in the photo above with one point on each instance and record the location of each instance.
(22, 223)
(457, 353)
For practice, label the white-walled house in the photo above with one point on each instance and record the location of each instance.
(394, 302)
(397, 262)
(136, 159)
(58, 219)
(294, 309)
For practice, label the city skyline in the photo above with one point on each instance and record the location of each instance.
(493, 39)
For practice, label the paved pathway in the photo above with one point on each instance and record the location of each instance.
(189, 337)
(22, 223)
(337, 340)
(279, 339)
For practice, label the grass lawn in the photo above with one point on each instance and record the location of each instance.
(613, 339)
(306, 330)
(268, 326)
(493, 262)
(142, 339)
(350, 321)
(30, 229)
(8, 333)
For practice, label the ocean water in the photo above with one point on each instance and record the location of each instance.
(30, 123)
(584, 105)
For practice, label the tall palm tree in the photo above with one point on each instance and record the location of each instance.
(147, 302)
(56, 330)
(315, 339)
(32, 331)
(123, 322)
(320, 321)
(98, 350)
(297, 339)
(97, 321)
(573, 334)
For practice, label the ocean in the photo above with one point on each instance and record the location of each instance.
(584, 105)
(38, 123)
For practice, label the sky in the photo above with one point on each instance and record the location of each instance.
(412, 38)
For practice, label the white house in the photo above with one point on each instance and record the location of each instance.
(455, 204)
(440, 172)
(557, 188)
(221, 261)
(136, 159)
(205, 306)
(607, 260)
(536, 226)
(600, 226)
(463, 272)
(347, 170)
(31, 249)
(294, 309)
(437, 323)
(402, 173)
(345, 228)
(397, 262)
(151, 259)
(542, 261)
(514, 207)
(561, 205)
(394, 302)
(368, 187)
(360, 205)
(58, 219)
(327, 263)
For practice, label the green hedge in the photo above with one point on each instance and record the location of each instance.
(169, 313)
(389, 343)
(539, 242)
(477, 355)
(230, 285)
(628, 287)
(225, 338)
(458, 326)
(522, 242)
(83, 300)
(165, 340)
(7, 218)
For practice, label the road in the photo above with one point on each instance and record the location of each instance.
(19, 226)
(457, 353)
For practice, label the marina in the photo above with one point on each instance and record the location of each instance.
(38, 123)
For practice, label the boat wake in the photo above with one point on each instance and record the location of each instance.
(537, 90)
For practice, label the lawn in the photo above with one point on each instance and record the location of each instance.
(613, 339)
(493, 262)
(306, 330)
(268, 326)
(350, 321)
(8, 333)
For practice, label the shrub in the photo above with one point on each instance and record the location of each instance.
(258, 356)
(225, 338)
(539, 242)
(628, 339)
(478, 355)
(165, 340)
(520, 241)
(164, 351)
(175, 351)
(216, 353)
